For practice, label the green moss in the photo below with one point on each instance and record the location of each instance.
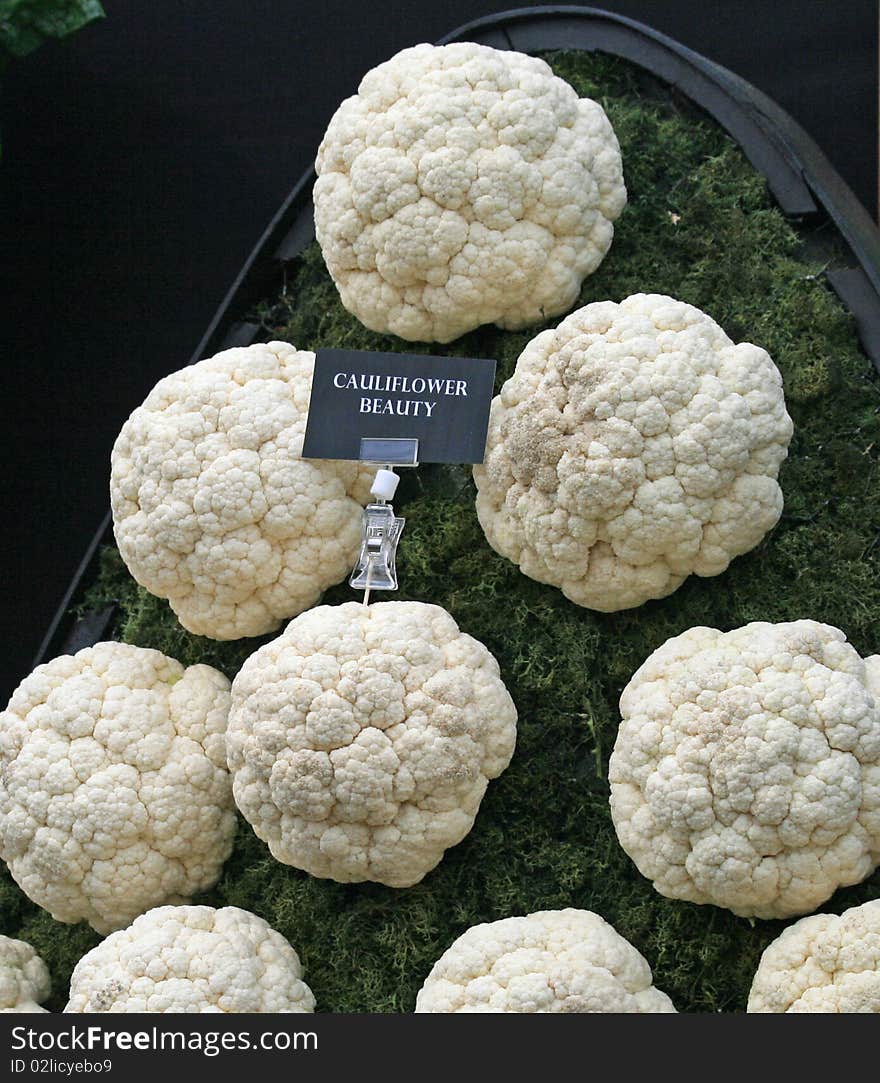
(147, 621)
(700, 226)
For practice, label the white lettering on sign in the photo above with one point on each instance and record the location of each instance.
(400, 407)
(357, 395)
(404, 385)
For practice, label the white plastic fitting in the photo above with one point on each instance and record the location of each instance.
(384, 485)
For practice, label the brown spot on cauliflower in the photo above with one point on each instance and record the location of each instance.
(633, 446)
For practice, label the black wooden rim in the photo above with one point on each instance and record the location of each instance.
(802, 180)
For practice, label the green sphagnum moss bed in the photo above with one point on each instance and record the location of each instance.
(700, 226)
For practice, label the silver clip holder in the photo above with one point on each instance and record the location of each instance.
(389, 451)
(376, 567)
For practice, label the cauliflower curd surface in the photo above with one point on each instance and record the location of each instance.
(634, 445)
(746, 771)
(191, 959)
(362, 739)
(822, 964)
(24, 978)
(114, 791)
(550, 961)
(464, 185)
(213, 507)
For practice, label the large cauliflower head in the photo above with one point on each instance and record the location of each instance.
(114, 791)
(633, 446)
(464, 185)
(24, 978)
(213, 507)
(550, 961)
(192, 959)
(824, 964)
(746, 771)
(362, 739)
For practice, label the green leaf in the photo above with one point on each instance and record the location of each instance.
(26, 24)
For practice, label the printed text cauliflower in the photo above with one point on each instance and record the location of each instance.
(550, 961)
(746, 771)
(24, 978)
(114, 792)
(362, 739)
(822, 963)
(214, 509)
(191, 959)
(634, 445)
(464, 185)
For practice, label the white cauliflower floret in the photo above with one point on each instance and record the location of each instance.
(214, 509)
(114, 791)
(633, 446)
(550, 961)
(746, 771)
(464, 185)
(24, 978)
(822, 963)
(192, 959)
(362, 739)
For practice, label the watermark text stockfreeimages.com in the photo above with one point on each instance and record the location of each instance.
(90, 1039)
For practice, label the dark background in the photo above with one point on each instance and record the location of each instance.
(143, 157)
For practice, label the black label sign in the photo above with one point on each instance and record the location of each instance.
(443, 402)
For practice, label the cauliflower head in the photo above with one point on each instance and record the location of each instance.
(362, 739)
(746, 771)
(822, 964)
(114, 791)
(550, 961)
(192, 959)
(633, 446)
(24, 978)
(214, 509)
(464, 185)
